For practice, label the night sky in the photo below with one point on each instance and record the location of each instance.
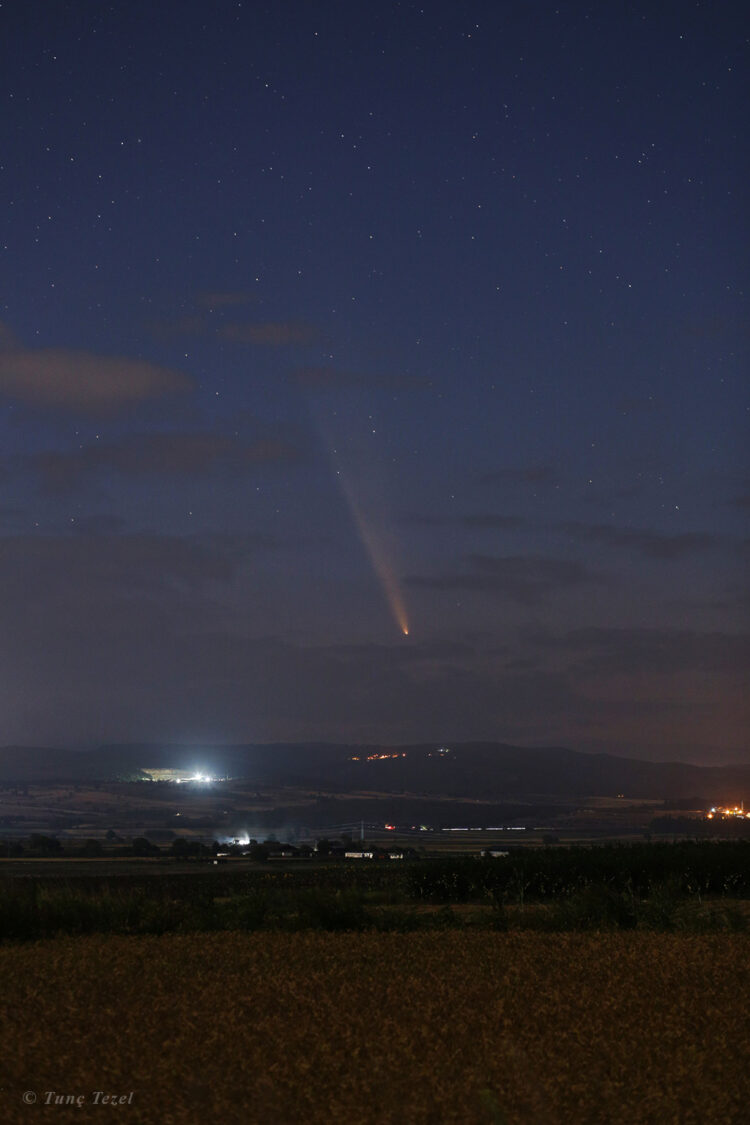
(375, 372)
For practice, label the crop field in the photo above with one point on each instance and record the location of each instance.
(379, 1029)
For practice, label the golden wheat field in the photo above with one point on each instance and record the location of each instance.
(374, 1029)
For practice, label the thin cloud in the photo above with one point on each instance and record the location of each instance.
(98, 526)
(223, 300)
(527, 579)
(656, 651)
(325, 378)
(79, 381)
(333, 378)
(653, 544)
(274, 333)
(194, 324)
(609, 495)
(8, 340)
(637, 404)
(491, 521)
(539, 475)
(176, 454)
(80, 567)
(13, 519)
(202, 321)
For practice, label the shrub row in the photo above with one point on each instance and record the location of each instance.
(543, 874)
(29, 911)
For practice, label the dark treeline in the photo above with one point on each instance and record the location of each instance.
(541, 874)
(683, 886)
(697, 867)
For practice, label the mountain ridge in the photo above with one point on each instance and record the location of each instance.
(462, 770)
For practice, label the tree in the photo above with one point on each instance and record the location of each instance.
(47, 845)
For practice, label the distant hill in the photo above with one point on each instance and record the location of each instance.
(469, 770)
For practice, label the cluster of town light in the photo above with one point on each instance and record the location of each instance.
(378, 757)
(723, 811)
(203, 777)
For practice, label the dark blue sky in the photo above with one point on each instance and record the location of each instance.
(322, 320)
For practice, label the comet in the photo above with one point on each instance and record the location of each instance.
(359, 476)
(375, 543)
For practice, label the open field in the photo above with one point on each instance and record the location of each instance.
(380, 1029)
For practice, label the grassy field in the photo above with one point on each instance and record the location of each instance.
(378, 1029)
